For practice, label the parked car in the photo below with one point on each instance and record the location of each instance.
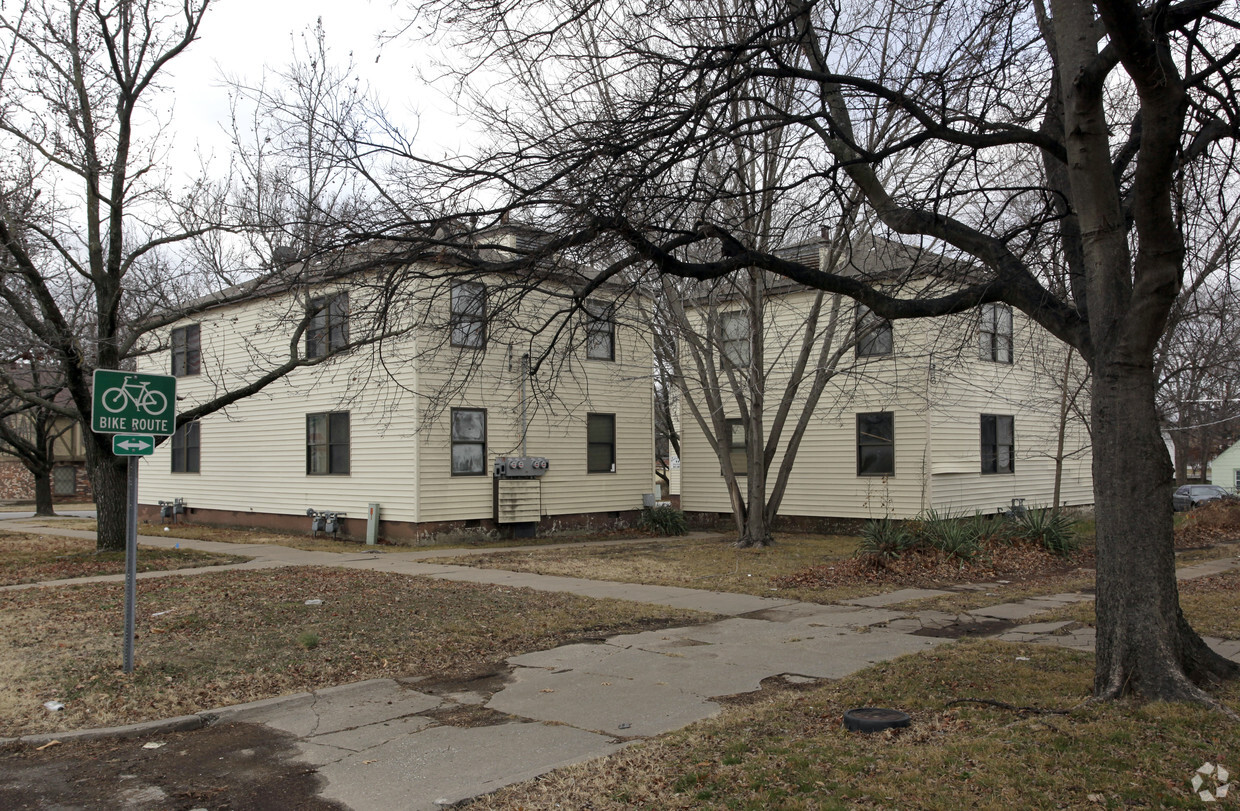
(1190, 495)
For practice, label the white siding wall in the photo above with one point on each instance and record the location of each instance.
(937, 389)
(254, 452)
(559, 396)
(1224, 468)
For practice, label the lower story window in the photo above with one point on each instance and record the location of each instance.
(600, 443)
(327, 444)
(186, 448)
(469, 441)
(998, 443)
(738, 448)
(876, 444)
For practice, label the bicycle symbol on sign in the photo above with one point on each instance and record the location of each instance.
(135, 394)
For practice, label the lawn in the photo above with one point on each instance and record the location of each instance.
(713, 563)
(1210, 604)
(32, 558)
(470, 539)
(787, 749)
(223, 638)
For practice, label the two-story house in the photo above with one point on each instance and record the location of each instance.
(955, 414)
(414, 422)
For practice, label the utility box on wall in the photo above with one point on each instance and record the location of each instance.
(518, 501)
(520, 467)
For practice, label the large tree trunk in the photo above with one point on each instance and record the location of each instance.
(1144, 645)
(107, 476)
(43, 492)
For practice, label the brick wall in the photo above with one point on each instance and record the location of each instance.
(17, 483)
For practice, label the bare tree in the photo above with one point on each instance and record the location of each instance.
(1106, 105)
(98, 253)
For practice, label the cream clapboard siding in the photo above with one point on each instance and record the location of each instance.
(573, 387)
(1225, 469)
(937, 388)
(254, 453)
(1029, 390)
(824, 481)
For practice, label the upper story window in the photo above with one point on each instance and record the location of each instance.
(328, 329)
(874, 333)
(469, 441)
(998, 443)
(734, 336)
(186, 350)
(327, 444)
(600, 334)
(995, 336)
(469, 315)
(876, 444)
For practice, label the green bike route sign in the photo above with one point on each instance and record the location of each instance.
(133, 445)
(133, 403)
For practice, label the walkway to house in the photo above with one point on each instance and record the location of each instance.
(379, 746)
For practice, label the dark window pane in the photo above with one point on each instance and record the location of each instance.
(600, 443)
(468, 424)
(339, 458)
(874, 334)
(601, 428)
(876, 444)
(875, 460)
(468, 314)
(467, 459)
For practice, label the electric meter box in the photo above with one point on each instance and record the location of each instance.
(520, 467)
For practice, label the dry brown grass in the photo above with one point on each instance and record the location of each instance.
(222, 638)
(713, 563)
(788, 749)
(32, 558)
(198, 532)
(1210, 604)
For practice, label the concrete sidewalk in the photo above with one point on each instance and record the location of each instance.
(404, 744)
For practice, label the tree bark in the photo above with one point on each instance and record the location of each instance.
(107, 477)
(43, 492)
(1144, 646)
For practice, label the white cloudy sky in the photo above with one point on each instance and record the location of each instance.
(240, 37)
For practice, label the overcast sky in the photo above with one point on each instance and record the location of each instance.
(240, 37)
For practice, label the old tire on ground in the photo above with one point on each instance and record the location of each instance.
(875, 719)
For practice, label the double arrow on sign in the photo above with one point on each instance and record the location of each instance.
(132, 445)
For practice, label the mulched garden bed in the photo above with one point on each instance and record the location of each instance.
(930, 568)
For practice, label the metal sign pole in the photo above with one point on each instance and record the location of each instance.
(131, 559)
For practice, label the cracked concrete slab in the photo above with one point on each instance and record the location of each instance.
(361, 738)
(893, 597)
(1011, 611)
(360, 705)
(1042, 627)
(610, 705)
(450, 764)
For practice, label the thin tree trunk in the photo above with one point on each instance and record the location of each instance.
(107, 476)
(43, 492)
(1144, 645)
(1063, 429)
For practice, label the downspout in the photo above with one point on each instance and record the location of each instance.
(927, 456)
(525, 371)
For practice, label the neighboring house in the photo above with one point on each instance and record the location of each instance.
(69, 480)
(1226, 469)
(414, 423)
(956, 414)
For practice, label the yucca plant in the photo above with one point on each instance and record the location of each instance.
(1049, 527)
(884, 540)
(663, 521)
